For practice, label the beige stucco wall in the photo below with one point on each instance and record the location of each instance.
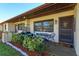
(76, 35)
(9, 27)
(25, 22)
(55, 17)
(6, 36)
(6, 27)
(30, 22)
(0, 27)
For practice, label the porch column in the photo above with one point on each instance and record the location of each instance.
(56, 29)
(76, 36)
(28, 25)
(11, 27)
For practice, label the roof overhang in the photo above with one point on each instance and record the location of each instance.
(45, 9)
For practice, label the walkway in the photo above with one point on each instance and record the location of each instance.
(59, 50)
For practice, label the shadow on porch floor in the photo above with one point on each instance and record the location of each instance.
(59, 50)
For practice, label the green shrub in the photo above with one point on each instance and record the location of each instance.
(28, 43)
(14, 37)
(41, 47)
(34, 43)
(18, 38)
(0, 36)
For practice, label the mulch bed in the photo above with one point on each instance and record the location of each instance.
(30, 53)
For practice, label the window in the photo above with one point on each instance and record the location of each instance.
(5, 26)
(21, 26)
(38, 26)
(45, 26)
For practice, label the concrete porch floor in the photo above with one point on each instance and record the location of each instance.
(59, 50)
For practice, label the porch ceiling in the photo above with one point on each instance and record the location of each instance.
(42, 10)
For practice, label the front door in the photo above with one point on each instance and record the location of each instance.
(66, 31)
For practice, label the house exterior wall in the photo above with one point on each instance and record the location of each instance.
(55, 17)
(0, 27)
(25, 22)
(30, 23)
(5, 24)
(11, 27)
(76, 35)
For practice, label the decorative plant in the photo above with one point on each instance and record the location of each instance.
(34, 43)
(28, 43)
(14, 37)
(18, 38)
(40, 48)
(0, 36)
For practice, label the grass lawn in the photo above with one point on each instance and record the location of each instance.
(8, 51)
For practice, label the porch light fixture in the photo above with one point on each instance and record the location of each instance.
(24, 17)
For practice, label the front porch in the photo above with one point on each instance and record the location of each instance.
(55, 49)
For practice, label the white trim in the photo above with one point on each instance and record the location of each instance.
(19, 50)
